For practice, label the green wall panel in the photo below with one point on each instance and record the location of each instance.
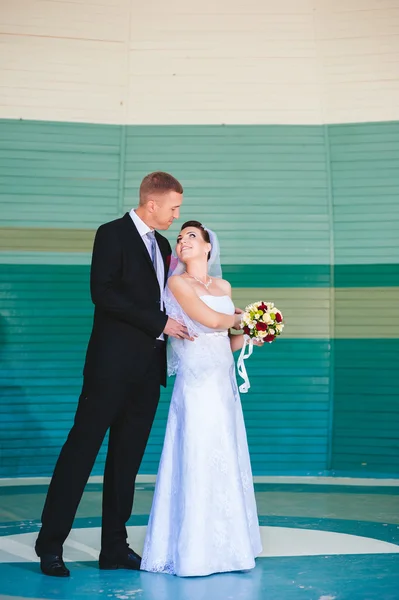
(241, 179)
(365, 179)
(58, 174)
(79, 175)
(238, 179)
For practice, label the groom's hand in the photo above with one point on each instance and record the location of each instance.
(176, 330)
(237, 321)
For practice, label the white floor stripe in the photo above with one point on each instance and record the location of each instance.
(84, 544)
(20, 546)
(81, 548)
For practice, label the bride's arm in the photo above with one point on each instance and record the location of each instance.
(236, 340)
(196, 309)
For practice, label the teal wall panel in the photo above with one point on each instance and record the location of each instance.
(375, 275)
(45, 323)
(44, 327)
(278, 275)
(366, 407)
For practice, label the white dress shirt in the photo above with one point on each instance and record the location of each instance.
(143, 229)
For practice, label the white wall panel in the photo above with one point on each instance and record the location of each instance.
(358, 47)
(211, 62)
(81, 19)
(237, 65)
(62, 79)
(64, 61)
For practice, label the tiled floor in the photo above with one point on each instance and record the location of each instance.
(321, 542)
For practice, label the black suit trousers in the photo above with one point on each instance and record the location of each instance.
(127, 409)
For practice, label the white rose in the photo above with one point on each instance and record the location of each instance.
(267, 318)
(279, 327)
(271, 331)
(262, 334)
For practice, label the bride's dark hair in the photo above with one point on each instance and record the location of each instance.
(199, 226)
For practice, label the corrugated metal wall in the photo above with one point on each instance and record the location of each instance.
(365, 176)
(251, 109)
(309, 402)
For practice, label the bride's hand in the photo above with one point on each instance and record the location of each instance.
(259, 343)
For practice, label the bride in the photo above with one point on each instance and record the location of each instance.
(203, 518)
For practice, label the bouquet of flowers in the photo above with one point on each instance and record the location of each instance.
(261, 322)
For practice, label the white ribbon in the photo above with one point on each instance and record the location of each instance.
(244, 387)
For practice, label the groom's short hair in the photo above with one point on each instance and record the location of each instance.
(158, 183)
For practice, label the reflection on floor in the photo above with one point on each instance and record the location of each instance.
(321, 542)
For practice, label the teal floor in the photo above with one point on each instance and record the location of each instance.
(327, 519)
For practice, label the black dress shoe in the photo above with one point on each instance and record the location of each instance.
(130, 560)
(53, 565)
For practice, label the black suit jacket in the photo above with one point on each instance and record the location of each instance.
(125, 291)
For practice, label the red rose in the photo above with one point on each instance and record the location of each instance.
(263, 307)
(261, 326)
(279, 318)
(247, 330)
(269, 338)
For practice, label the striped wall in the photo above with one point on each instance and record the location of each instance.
(282, 122)
(312, 408)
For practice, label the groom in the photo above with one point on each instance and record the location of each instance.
(125, 366)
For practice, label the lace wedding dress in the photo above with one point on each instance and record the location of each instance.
(203, 518)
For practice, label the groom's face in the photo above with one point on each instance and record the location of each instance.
(166, 208)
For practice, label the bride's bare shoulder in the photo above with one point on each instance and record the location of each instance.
(174, 280)
(224, 286)
(177, 282)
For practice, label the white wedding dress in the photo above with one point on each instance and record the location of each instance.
(203, 518)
